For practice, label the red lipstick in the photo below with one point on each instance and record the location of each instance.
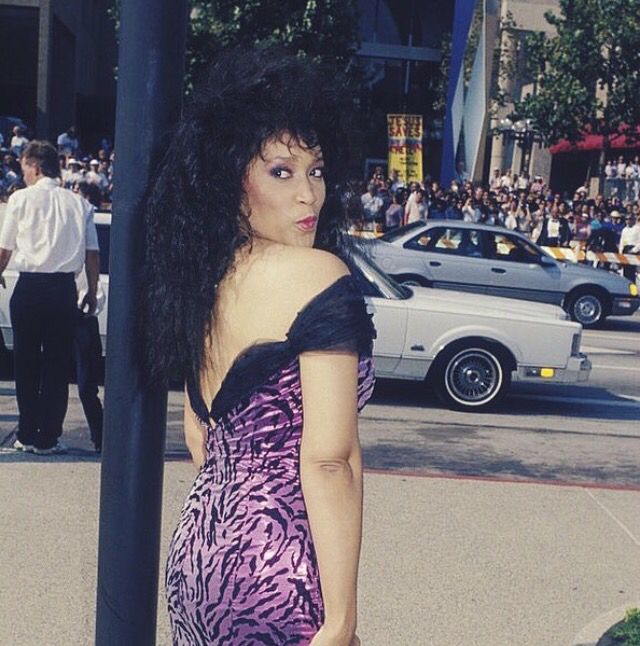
(308, 223)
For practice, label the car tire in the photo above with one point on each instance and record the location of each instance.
(587, 308)
(412, 280)
(472, 376)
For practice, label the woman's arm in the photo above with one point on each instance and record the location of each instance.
(194, 434)
(331, 474)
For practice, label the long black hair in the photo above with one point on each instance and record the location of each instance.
(194, 220)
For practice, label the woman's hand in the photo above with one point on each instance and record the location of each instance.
(325, 638)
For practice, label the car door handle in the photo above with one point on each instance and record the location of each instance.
(435, 263)
(497, 270)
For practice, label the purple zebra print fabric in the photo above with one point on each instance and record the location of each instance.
(242, 568)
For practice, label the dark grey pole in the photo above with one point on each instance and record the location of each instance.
(150, 79)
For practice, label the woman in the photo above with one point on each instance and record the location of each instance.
(248, 304)
(393, 215)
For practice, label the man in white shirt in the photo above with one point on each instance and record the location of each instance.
(94, 176)
(18, 141)
(506, 181)
(73, 174)
(68, 142)
(50, 233)
(372, 204)
(630, 244)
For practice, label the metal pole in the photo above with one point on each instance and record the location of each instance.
(150, 80)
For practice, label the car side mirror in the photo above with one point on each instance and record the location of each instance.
(547, 261)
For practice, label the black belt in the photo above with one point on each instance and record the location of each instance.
(41, 275)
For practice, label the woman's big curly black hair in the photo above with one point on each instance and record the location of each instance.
(194, 221)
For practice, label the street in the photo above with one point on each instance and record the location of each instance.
(587, 433)
(573, 433)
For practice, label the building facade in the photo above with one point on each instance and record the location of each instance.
(504, 152)
(400, 55)
(57, 61)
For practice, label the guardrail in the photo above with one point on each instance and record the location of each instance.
(576, 254)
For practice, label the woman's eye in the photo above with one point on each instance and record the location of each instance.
(281, 172)
(318, 172)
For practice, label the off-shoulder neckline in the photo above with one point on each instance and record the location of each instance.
(263, 344)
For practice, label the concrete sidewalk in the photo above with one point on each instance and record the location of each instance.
(446, 562)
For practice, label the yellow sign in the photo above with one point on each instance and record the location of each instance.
(405, 146)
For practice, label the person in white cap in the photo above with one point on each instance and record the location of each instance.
(74, 174)
(94, 176)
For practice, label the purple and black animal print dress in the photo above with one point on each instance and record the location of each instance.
(242, 568)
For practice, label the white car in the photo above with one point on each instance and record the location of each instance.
(467, 347)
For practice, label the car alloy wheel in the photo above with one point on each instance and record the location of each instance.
(473, 378)
(587, 309)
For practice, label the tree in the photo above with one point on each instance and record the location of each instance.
(324, 30)
(587, 74)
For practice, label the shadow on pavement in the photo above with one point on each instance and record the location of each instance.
(521, 400)
(621, 324)
(475, 460)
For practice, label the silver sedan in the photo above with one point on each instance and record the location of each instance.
(491, 260)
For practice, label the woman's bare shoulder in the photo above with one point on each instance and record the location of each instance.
(304, 272)
(289, 277)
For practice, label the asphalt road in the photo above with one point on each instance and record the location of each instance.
(587, 433)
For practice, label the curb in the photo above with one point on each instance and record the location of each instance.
(590, 635)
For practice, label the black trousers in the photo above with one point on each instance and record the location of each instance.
(87, 351)
(43, 311)
(629, 271)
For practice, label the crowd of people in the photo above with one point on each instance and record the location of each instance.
(516, 202)
(91, 175)
(622, 178)
(607, 222)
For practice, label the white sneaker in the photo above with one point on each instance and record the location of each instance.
(57, 449)
(26, 448)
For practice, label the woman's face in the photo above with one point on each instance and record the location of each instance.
(284, 192)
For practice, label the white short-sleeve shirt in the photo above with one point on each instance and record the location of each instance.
(48, 228)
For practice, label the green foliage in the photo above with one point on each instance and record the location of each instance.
(588, 74)
(324, 30)
(441, 80)
(629, 631)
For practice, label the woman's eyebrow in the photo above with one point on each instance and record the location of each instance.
(317, 157)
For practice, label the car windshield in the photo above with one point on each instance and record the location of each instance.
(394, 234)
(374, 282)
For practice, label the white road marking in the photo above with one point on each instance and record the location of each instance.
(593, 350)
(620, 524)
(631, 402)
(627, 368)
(589, 335)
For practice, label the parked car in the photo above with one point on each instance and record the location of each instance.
(491, 260)
(466, 349)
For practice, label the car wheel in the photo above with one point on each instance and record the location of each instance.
(411, 280)
(473, 377)
(587, 308)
